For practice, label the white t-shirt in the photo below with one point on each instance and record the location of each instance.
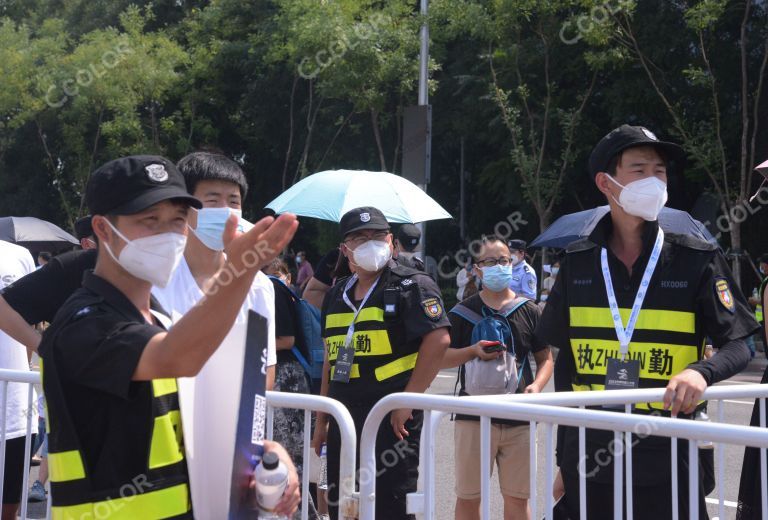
(15, 262)
(182, 293)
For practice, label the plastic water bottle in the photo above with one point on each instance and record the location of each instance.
(271, 480)
(323, 480)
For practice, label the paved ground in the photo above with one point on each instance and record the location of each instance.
(736, 412)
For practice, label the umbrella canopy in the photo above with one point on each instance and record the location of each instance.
(328, 195)
(35, 234)
(574, 226)
(762, 168)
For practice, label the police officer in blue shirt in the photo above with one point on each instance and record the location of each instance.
(524, 277)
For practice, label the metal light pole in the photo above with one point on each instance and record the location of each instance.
(423, 101)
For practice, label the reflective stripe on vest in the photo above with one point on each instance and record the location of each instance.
(163, 503)
(759, 312)
(141, 499)
(659, 361)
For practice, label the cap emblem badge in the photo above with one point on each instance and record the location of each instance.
(156, 172)
(649, 134)
(365, 217)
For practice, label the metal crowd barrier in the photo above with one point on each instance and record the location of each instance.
(309, 403)
(30, 379)
(551, 409)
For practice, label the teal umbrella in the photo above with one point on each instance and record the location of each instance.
(328, 195)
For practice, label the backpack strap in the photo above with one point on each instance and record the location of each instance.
(301, 359)
(513, 306)
(468, 314)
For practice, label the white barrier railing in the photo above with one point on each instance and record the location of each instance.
(551, 409)
(309, 403)
(31, 379)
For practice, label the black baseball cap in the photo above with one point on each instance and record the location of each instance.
(626, 136)
(517, 245)
(83, 227)
(408, 235)
(366, 217)
(131, 184)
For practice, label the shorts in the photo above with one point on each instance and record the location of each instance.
(510, 450)
(13, 478)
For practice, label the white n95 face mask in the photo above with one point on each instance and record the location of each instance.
(372, 255)
(152, 259)
(643, 198)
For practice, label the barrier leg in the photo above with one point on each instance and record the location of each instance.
(618, 473)
(763, 483)
(485, 468)
(550, 503)
(628, 479)
(533, 458)
(27, 450)
(582, 472)
(4, 400)
(305, 468)
(720, 465)
(675, 497)
(693, 479)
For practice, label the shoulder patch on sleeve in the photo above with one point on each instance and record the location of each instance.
(433, 308)
(723, 291)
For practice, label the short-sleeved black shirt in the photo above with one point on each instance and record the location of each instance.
(39, 295)
(523, 324)
(405, 331)
(287, 321)
(94, 346)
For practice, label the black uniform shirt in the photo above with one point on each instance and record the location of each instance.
(688, 276)
(287, 320)
(523, 324)
(420, 312)
(687, 269)
(94, 346)
(39, 295)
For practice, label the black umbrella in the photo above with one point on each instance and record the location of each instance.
(574, 226)
(35, 234)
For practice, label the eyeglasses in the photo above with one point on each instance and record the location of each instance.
(490, 262)
(358, 240)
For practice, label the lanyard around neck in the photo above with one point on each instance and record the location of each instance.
(356, 310)
(625, 334)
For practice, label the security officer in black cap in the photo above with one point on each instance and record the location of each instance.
(631, 308)
(386, 331)
(109, 365)
(406, 241)
(524, 281)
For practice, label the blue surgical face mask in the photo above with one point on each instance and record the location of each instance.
(497, 277)
(211, 223)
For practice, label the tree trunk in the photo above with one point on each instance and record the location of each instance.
(377, 135)
(735, 228)
(290, 132)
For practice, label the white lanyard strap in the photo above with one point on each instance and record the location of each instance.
(356, 310)
(625, 335)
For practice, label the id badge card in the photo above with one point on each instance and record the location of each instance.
(342, 370)
(622, 375)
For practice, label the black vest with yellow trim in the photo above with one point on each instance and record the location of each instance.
(383, 354)
(160, 491)
(668, 335)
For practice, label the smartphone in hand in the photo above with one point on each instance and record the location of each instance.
(496, 346)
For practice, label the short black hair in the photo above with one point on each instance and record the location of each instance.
(486, 240)
(207, 166)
